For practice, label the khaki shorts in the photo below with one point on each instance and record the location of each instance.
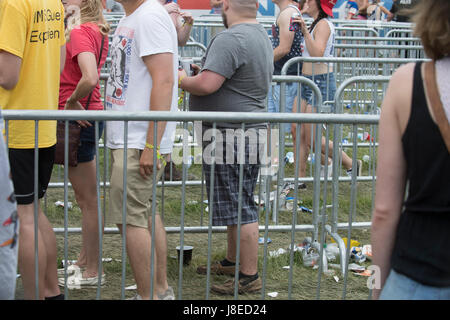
(139, 190)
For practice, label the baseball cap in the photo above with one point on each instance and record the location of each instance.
(327, 6)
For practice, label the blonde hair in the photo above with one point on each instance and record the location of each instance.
(432, 26)
(90, 11)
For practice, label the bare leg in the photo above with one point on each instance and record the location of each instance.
(84, 182)
(231, 243)
(346, 160)
(51, 273)
(138, 248)
(248, 247)
(47, 277)
(306, 136)
(160, 239)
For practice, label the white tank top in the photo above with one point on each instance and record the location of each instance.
(329, 50)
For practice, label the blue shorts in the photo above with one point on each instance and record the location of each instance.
(273, 100)
(401, 287)
(86, 150)
(327, 86)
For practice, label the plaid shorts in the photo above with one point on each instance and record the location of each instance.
(225, 206)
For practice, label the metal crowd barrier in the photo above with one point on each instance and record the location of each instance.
(345, 68)
(366, 34)
(317, 228)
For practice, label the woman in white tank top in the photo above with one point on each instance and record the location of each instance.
(318, 42)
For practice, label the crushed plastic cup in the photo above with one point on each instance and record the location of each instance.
(332, 251)
(310, 259)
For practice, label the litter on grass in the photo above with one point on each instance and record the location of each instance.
(61, 204)
(132, 287)
(261, 240)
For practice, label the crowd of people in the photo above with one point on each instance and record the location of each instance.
(61, 68)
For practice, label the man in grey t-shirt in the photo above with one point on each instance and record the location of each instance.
(241, 56)
(235, 77)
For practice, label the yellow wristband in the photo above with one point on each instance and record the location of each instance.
(179, 81)
(158, 155)
(150, 146)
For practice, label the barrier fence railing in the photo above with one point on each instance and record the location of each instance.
(317, 227)
(347, 67)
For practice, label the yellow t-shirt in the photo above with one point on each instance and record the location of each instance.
(34, 31)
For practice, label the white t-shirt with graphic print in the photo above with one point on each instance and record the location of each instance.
(147, 31)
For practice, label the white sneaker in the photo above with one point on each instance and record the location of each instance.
(168, 295)
(76, 281)
(72, 269)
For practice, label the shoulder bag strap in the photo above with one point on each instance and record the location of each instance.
(436, 103)
(98, 63)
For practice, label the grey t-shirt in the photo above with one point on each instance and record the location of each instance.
(243, 54)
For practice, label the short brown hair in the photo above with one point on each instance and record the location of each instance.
(432, 26)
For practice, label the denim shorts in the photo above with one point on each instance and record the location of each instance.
(273, 100)
(401, 287)
(86, 150)
(327, 86)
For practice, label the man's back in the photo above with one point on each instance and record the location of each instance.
(33, 30)
(243, 55)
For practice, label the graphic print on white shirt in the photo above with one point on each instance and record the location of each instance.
(120, 69)
(149, 30)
